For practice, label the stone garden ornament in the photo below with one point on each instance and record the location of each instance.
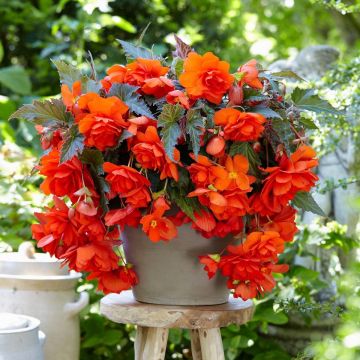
(183, 162)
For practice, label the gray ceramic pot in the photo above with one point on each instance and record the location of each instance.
(170, 272)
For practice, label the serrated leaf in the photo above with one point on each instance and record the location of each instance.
(133, 52)
(44, 113)
(170, 129)
(304, 200)
(182, 49)
(127, 93)
(306, 99)
(266, 111)
(289, 74)
(73, 144)
(283, 133)
(93, 158)
(177, 66)
(244, 148)
(194, 126)
(68, 73)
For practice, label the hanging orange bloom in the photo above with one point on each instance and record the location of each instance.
(249, 266)
(237, 168)
(114, 281)
(128, 216)
(238, 125)
(282, 222)
(150, 154)
(291, 176)
(206, 77)
(128, 183)
(157, 226)
(251, 75)
(204, 173)
(66, 178)
(101, 120)
(92, 257)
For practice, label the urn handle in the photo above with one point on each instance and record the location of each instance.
(42, 338)
(73, 308)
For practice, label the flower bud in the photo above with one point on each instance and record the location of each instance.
(236, 95)
(216, 146)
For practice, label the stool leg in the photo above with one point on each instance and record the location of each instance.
(211, 344)
(150, 343)
(195, 345)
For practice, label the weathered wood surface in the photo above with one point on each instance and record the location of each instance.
(123, 308)
(211, 344)
(150, 343)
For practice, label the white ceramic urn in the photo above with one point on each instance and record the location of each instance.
(20, 338)
(36, 285)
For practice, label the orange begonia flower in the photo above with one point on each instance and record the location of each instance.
(92, 257)
(157, 87)
(206, 77)
(251, 75)
(115, 281)
(249, 266)
(240, 126)
(204, 173)
(291, 176)
(156, 226)
(282, 222)
(101, 120)
(150, 154)
(178, 97)
(65, 178)
(128, 216)
(69, 96)
(128, 183)
(237, 168)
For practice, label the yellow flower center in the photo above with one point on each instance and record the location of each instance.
(232, 175)
(153, 223)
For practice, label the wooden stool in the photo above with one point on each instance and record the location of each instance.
(154, 321)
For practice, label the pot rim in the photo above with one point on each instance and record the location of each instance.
(34, 323)
(73, 275)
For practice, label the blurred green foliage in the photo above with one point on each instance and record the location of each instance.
(33, 31)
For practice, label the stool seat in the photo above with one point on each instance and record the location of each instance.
(153, 322)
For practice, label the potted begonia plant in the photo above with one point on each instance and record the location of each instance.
(184, 163)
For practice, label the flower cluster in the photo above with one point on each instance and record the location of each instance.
(155, 146)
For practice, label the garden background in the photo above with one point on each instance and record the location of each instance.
(33, 31)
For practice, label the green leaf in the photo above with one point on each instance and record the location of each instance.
(194, 126)
(273, 355)
(120, 22)
(306, 99)
(308, 123)
(111, 337)
(266, 111)
(44, 113)
(170, 129)
(289, 74)
(244, 148)
(304, 200)
(133, 52)
(283, 134)
(94, 158)
(186, 205)
(266, 313)
(128, 95)
(16, 79)
(303, 273)
(73, 144)
(68, 73)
